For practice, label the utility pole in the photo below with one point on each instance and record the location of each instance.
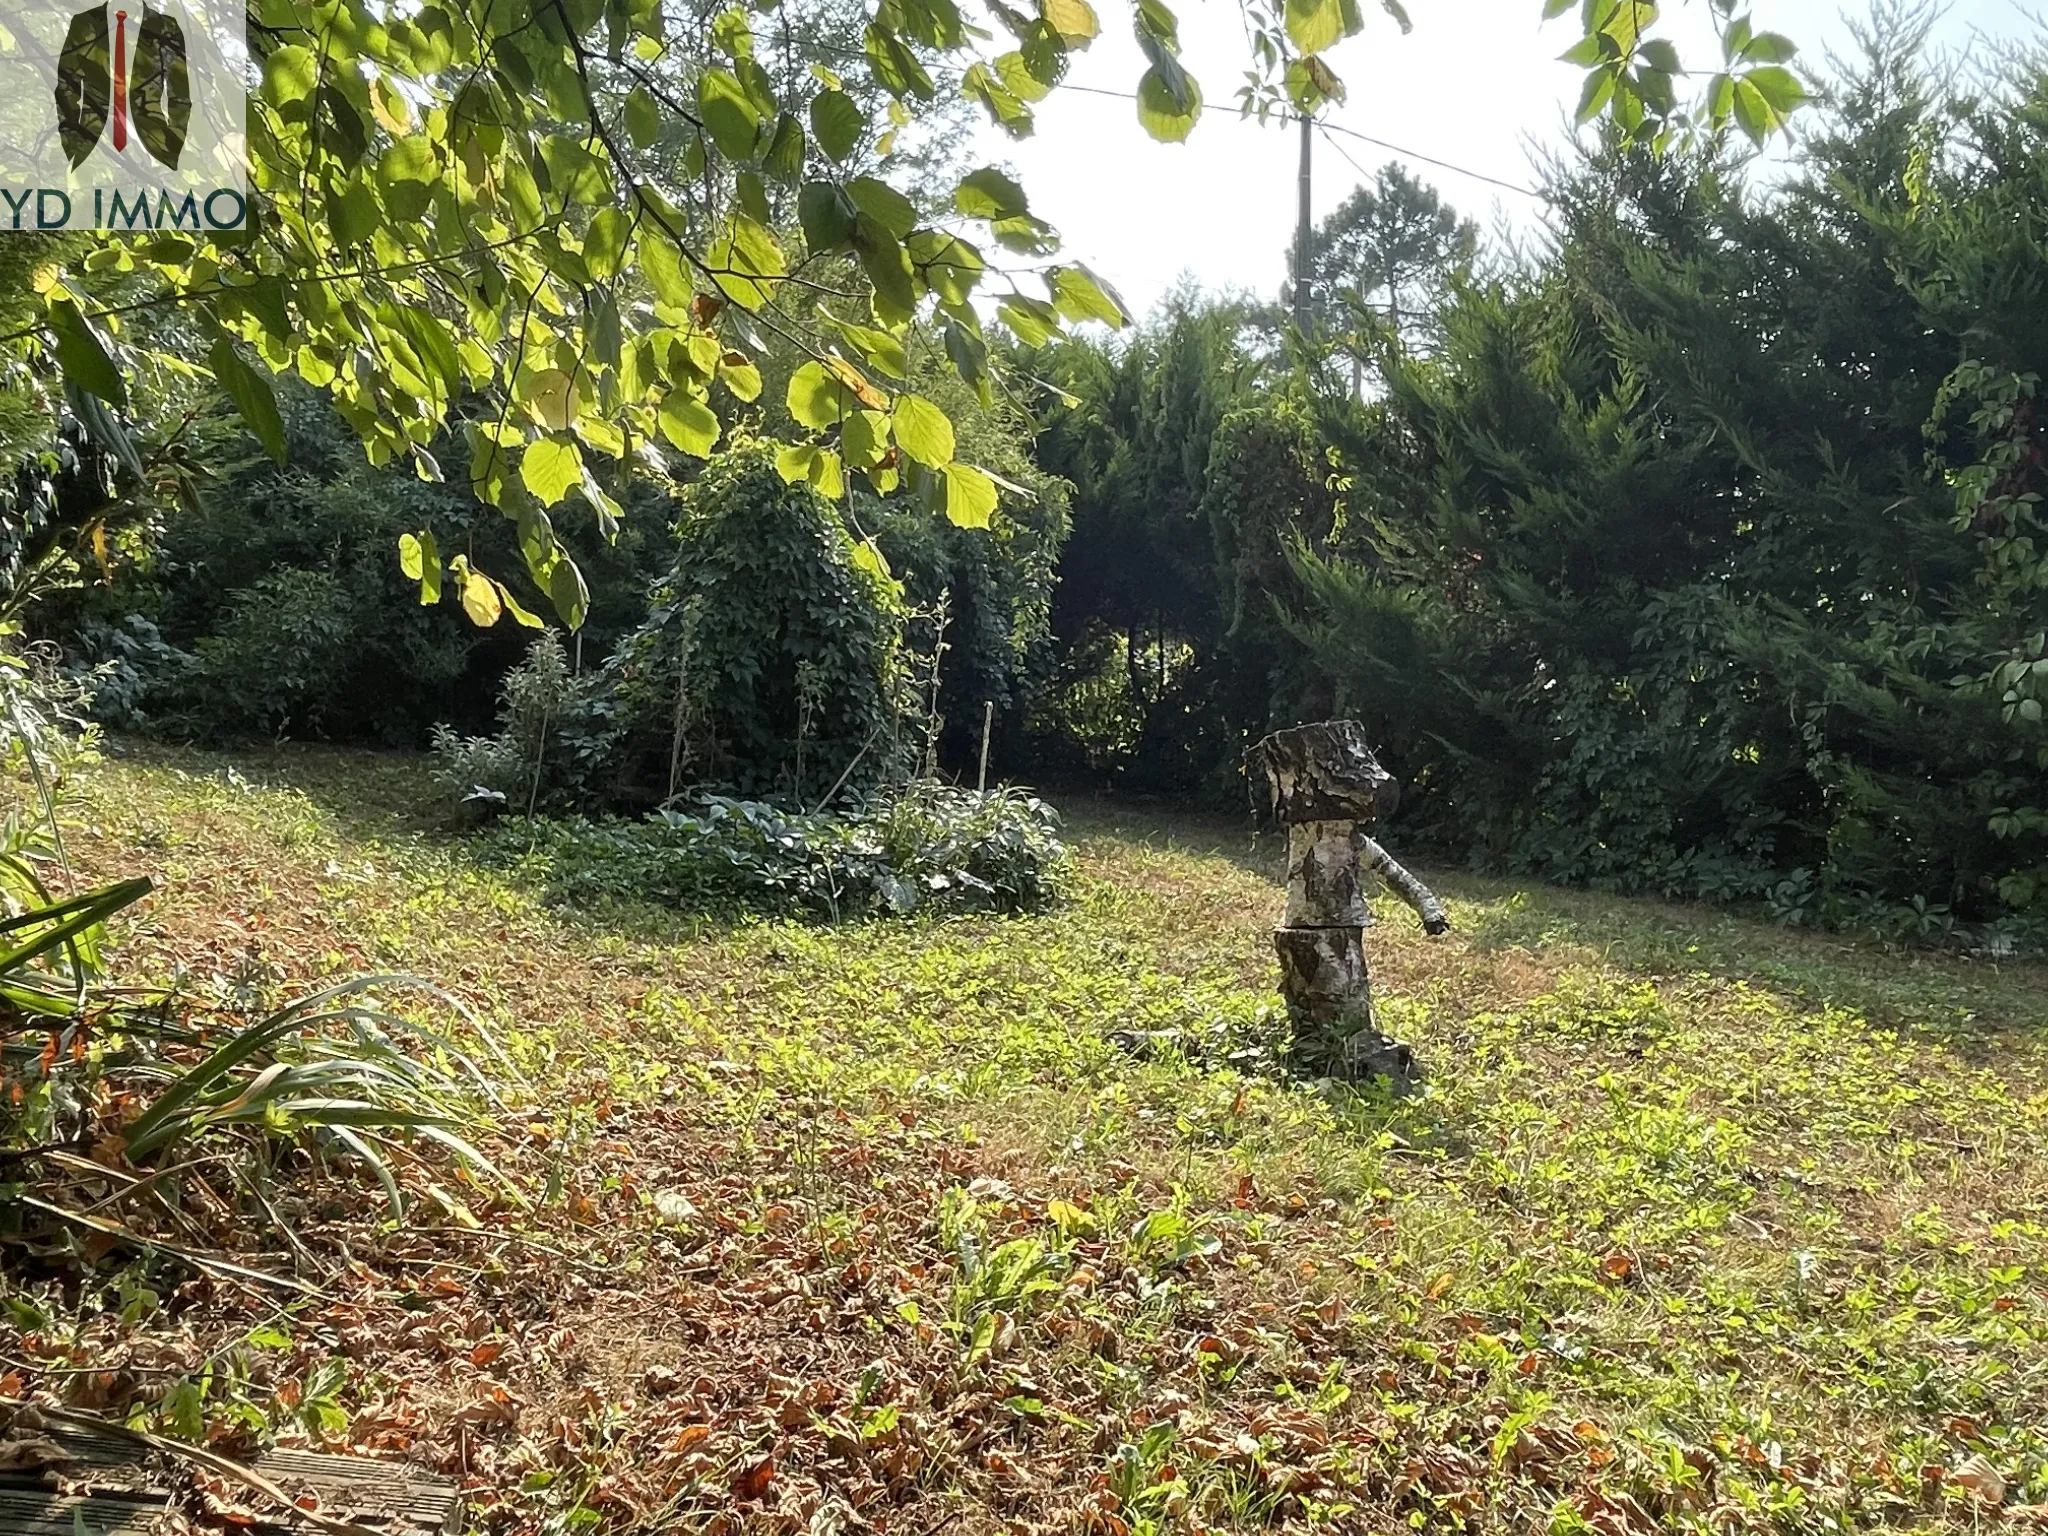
(1302, 231)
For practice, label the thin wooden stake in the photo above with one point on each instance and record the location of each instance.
(988, 718)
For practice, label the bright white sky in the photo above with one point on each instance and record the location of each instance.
(1476, 83)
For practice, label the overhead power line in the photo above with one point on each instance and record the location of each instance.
(1416, 154)
(1366, 138)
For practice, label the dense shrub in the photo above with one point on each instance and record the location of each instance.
(1699, 552)
(770, 661)
(925, 847)
(274, 605)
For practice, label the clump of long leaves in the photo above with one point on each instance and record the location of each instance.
(925, 847)
(141, 1080)
(328, 1068)
(146, 1081)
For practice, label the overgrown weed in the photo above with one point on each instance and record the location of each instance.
(1742, 1229)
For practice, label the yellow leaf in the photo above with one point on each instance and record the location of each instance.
(970, 496)
(1073, 20)
(480, 599)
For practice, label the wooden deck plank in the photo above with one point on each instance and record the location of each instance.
(127, 1487)
(40, 1512)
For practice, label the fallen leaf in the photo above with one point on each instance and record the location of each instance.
(1981, 1478)
(754, 1478)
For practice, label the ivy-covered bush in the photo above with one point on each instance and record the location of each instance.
(770, 659)
(771, 663)
(926, 847)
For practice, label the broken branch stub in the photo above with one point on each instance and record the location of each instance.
(1325, 785)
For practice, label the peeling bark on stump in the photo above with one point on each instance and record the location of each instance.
(1324, 783)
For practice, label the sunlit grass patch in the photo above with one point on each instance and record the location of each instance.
(1696, 1222)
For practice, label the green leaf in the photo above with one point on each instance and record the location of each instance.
(837, 123)
(1769, 48)
(604, 242)
(1590, 50)
(867, 556)
(896, 66)
(924, 432)
(1155, 22)
(688, 423)
(1167, 108)
(727, 113)
(252, 394)
(1720, 98)
(643, 117)
(290, 75)
(1073, 21)
(519, 613)
(550, 469)
(566, 590)
(970, 496)
(817, 398)
(421, 562)
(884, 204)
(746, 262)
(826, 214)
(952, 268)
(1658, 54)
(1752, 112)
(1081, 295)
(1015, 73)
(661, 262)
(1313, 25)
(1736, 38)
(740, 376)
(353, 213)
(864, 438)
(878, 349)
(82, 357)
(1778, 86)
(1032, 321)
(807, 462)
(1598, 88)
(751, 197)
(989, 194)
(969, 355)
(785, 157)
(887, 265)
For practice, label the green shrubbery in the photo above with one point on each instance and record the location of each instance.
(1697, 552)
(273, 605)
(924, 847)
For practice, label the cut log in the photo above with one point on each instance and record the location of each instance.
(1323, 889)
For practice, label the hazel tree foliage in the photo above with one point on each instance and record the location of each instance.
(580, 230)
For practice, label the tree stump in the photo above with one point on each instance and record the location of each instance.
(1326, 787)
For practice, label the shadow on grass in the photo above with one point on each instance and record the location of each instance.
(366, 793)
(1960, 1001)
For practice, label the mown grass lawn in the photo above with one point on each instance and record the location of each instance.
(1699, 1224)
